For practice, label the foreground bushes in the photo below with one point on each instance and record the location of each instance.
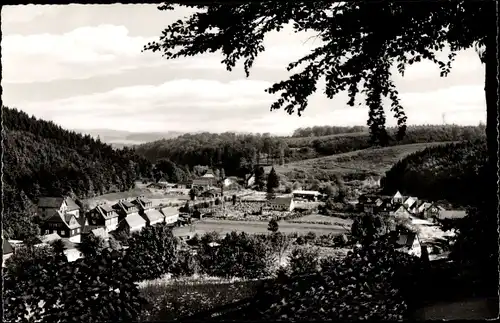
(93, 289)
(367, 285)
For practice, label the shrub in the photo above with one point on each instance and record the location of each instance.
(186, 264)
(367, 285)
(92, 289)
(304, 261)
(152, 252)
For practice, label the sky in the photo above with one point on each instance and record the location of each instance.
(81, 66)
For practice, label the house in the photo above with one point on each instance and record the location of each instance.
(250, 181)
(163, 181)
(183, 185)
(434, 210)
(8, 251)
(171, 214)
(153, 216)
(370, 203)
(101, 233)
(397, 198)
(308, 195)
(70, 248)
(142, 203)
(401, 211)
(449, 214)
(102, 216)
(48, 206)
(209, 174)
(410, 243)
(409, 202)
(282, 203)
(133, 222)
(125, 208)
(211, 193)
(157, 186)
(203, 183)
(65, 225)
(228, 181)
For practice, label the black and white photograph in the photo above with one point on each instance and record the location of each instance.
(250, 161)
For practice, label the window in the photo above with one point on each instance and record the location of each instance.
(78, 230)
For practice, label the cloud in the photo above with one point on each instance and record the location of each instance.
(26, 13)
(81, 53)
(201, 104)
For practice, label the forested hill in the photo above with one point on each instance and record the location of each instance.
(42, 159)
(449, 172)
(234, 151)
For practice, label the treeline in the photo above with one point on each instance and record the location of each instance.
(453, 172)
(43, 159)
(238, 153)
(235, 153)
(318, 131)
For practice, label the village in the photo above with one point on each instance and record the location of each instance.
(200, 206)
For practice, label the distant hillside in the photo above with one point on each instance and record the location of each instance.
(451, 172)
(121, 139)
(355, 165)
(42, 159)
(235, 152)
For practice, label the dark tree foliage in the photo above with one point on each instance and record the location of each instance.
(273, 181)
(453, 172)
(151, 253)
(237, 152)
(304, 261)
(369, 284)
(273, 226)
(318, 131)
(42, 159)
(91, 245)
(355, 51)
(96, 289)
(238, 255)
(170, 171)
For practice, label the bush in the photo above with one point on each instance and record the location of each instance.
(151, 253)
(367, 285)
(92, 289)
(239, 255)
(304, 261)
(186, 264)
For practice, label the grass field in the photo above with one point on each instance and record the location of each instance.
(176, 299)
(314, 218)
(256, 227)
(375, 160)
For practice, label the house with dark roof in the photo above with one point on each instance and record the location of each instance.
(48, 206)
(125, 208)
(8, 251)
(132, 223)
(102, 216)
(209, 174)
(282, 203)
(171, 214)
(142, 203)
(66, 225)
(409, 242)
(409, 202)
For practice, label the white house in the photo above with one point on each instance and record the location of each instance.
(153, 216)
(409, 243)
(133, 222)
(230, 181)
(70, 250)
(310, 195)
(283, 203)
(397, 198)
(171, 214)
(410, 202)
